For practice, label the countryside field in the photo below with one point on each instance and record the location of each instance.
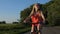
(13, 28)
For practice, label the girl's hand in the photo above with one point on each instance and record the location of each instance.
(24, 21)
(43, 21)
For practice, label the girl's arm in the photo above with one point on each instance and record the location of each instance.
(43, 17)
(28, 17)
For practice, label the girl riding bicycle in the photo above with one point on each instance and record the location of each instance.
(37, 18)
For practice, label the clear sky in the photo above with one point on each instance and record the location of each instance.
(10, 9)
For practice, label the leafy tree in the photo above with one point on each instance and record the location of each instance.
(51, 12)
(2, 22)
(15, 22)
(54, 12)
(25, 13)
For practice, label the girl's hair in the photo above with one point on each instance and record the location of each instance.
(33, 9)
(38, 4)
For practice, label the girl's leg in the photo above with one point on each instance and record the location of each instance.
(39, 28)
(32, 29)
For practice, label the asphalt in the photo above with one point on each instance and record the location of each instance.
(49, 30)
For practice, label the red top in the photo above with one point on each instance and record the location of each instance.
(36, 18)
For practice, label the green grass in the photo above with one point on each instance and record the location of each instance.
(13, 28)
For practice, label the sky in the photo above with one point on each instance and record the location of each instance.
(10, 9)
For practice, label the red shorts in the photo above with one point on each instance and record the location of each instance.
(35, 24)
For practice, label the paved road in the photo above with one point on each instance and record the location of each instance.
(49, 30)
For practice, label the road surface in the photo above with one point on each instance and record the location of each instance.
(49, 30)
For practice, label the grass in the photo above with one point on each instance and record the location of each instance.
(13, 28)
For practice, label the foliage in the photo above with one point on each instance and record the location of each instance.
(25, 13)
(54, 12)
(2, 22)
(15, 23)
(51, 11)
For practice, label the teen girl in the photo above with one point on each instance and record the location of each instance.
(37, 18)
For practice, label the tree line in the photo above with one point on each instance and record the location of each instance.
(51, 11)
(4, 22)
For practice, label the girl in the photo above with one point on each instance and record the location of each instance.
(37, 18)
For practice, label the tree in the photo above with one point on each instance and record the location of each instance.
(54, 12)
(2, 22)
(24, 13)
(51, 12)
(15, 22)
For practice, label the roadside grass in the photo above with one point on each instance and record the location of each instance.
(13, 28)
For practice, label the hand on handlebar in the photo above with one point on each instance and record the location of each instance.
(24, 21)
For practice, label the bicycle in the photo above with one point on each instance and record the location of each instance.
(35, 30)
